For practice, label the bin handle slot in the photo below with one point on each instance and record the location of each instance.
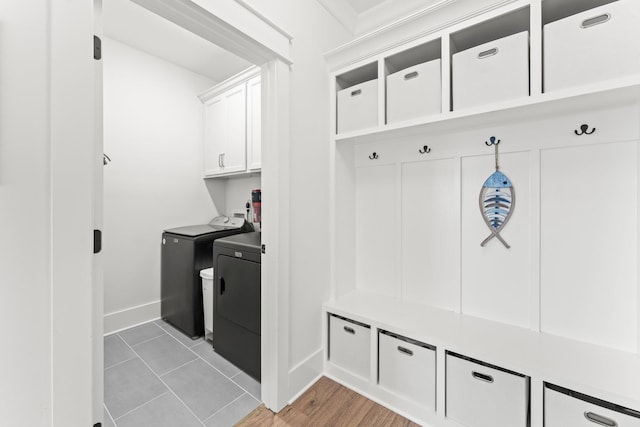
(482, 377)
(405, 351)
(350, 330)
(600, 19)
(488, 53)
(356, 92)
(411, 75)
(222, 285)
(600, 420)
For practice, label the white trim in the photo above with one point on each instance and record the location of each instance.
(235, 80)
(72, 165)
(226, 24)
(306, 373)
(272, 24)
(132, 316)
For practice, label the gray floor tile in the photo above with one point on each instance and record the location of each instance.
(141, 333)
(164, 353)
(205, 350)
(234, 412)
(116, 351)
(129, 385)
(165, 411)
(177, 334)
(108, 422)
(203, 389)
(249, 384)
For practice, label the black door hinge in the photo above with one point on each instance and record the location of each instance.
(97, 241)
(97, 48)
(264, 249)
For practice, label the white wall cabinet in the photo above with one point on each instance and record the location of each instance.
(232, 126)
(562, 304)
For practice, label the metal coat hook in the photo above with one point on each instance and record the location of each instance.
(495, 144)
(373, 156)
(425, 149)
(105, 159)
(584, 131)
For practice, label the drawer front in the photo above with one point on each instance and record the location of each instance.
(414, 92)
(561, 410)
(358, 107)
(407, 369)
(492, 72)
(592, 46)
(349, 346)
(481, 396)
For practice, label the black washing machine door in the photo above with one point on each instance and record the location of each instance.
(237, 297)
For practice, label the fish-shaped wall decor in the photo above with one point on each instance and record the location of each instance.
(497, 200)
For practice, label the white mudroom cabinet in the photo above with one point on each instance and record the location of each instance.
(535, 323)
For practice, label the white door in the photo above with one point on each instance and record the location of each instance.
(97, 265)
(234, 155)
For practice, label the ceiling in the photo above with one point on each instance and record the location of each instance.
(131, 24)
(363, 16)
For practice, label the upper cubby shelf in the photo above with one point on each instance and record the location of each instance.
(521, 58)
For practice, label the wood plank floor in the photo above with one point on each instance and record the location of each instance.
(327, 403)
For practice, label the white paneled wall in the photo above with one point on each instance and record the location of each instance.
(589, 243)
(572, 269)
(495, 280)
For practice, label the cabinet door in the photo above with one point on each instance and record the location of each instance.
(254, 124)
(234, 150)
(213, 135)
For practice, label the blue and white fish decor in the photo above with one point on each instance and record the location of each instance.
(497, 200)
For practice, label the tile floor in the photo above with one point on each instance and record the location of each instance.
(156, 376)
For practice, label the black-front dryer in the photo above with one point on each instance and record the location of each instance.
(236, 301)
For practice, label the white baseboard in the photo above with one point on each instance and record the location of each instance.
(305, 374)
(123, 319)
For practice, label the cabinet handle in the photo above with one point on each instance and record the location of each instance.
(222, 157)
(356, 92)
(220, 160)
(600, 19)
(410, 76)
(488, 53)
(600, 420)
(482, 377)
(405, 351)
(350, 330)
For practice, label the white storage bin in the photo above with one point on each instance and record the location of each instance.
(414, 92)
(349, 345)
(566, 408)
(592, 46)
(358, 107)
(207, 301)
(484, 396)
(407, 368)
(492, 72)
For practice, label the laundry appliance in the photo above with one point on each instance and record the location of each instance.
(186, 251)
(236, 301)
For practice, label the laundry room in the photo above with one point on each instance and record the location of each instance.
(154, 133)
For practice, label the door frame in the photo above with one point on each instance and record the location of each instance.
(75, 170)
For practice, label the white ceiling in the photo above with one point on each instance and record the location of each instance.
(360, 6)
(363, 16)
(130, 23)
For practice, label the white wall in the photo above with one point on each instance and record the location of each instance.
(314, 32)
(238, 192)
(25, 270)
(153, 134)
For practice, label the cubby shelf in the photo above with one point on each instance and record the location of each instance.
(613, 92)
(610, 374)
